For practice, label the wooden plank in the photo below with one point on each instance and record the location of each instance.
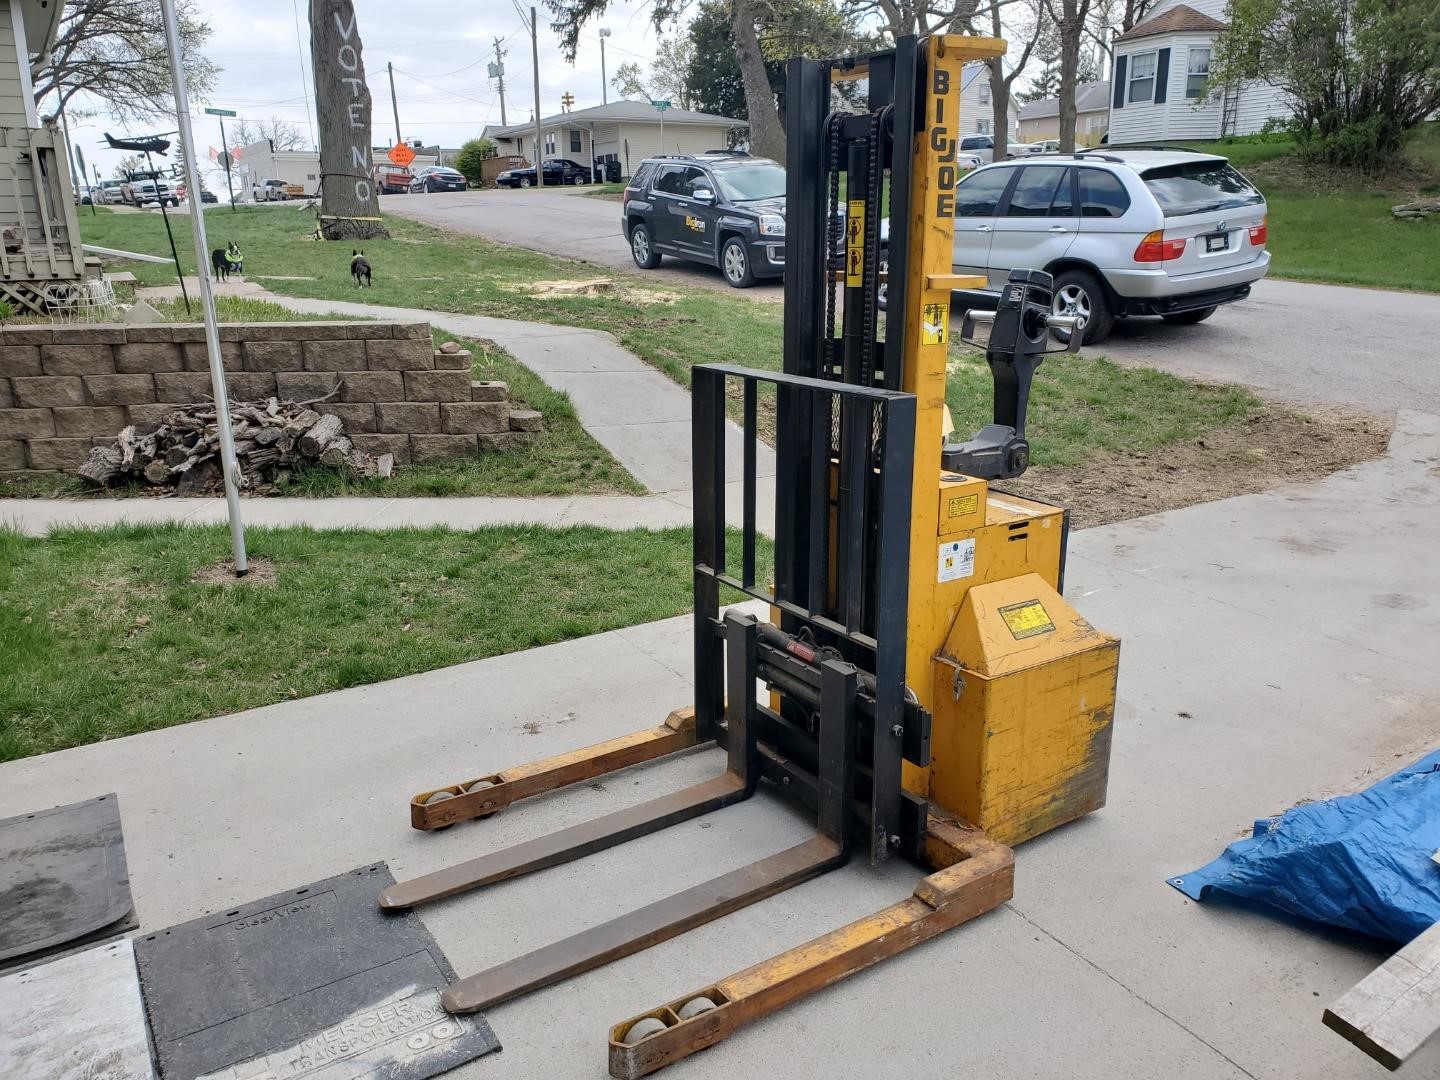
(1395, 1008)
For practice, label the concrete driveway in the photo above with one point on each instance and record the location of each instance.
(1312, 344)
(562, 221)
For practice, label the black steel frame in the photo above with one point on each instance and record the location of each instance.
(852, 600)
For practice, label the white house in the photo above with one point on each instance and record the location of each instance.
(1161, 71)
(977, 110)
(623, 131)
(1040, 120)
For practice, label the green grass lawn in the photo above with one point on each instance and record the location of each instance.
(1081, 407)
(670, 326)
(447, 272)
(106, 633)
(1335, 226)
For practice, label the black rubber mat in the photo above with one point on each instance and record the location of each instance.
(312, 982)
(63, 882)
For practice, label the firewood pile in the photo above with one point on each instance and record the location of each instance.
(273, 440)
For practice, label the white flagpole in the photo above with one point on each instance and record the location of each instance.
(228, 463)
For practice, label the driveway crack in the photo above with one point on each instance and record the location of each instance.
(1137, 996)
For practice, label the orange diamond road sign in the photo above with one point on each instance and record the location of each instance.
(401, 155)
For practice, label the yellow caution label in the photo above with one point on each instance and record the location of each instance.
(1026, 620)
(962, 506)
(855, 243)
(935, 324)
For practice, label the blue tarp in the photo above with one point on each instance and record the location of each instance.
(1359, 861)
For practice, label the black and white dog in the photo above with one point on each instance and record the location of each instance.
(227, 261)
(359, 268)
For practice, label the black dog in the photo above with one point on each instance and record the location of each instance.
(227, 260)
(359, 268)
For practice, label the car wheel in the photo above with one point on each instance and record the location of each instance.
(1078, 293)
(642, 247)
(1189, 318)
(524, 181)
(735, 264)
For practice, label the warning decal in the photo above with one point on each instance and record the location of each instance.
(855, 243)
(1027, 620)
(935, 324)
(962, 505)
(957, 560)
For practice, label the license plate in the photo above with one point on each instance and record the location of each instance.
(1217, 241)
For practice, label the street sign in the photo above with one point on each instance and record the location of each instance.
(401, 155)
(661, 105)
(220, 112)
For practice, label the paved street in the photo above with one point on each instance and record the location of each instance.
(565, 222)
(1325, 344)
(1322, 344)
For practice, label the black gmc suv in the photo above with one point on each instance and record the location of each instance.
(724, 208)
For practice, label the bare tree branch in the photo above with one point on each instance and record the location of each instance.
(114, 50)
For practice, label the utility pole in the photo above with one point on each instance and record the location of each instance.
(535, 59)
(497, 72)
(604, 83)
(393, 104)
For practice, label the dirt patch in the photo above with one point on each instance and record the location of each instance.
(262, 572)
(1278, 447)
(1406, 178)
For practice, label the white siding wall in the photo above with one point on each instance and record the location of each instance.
(973, 110)
(1214, 8)
(1259, 102)
(12, 89)
(1178, 117)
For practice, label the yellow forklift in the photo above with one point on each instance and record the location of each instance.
(927, 691)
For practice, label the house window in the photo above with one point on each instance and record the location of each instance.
(1142, 78)
(550, 145)
(982, 127)
(984, 92)
(574, 140)
(1197, 73)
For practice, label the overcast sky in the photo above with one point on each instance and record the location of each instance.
(440, 49)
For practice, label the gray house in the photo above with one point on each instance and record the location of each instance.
(41, 248)
(623, 131)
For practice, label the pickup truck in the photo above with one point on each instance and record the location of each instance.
(392, 180)
(140, 188)
(270, 191)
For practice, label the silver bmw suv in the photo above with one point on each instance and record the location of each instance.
(1125, 231)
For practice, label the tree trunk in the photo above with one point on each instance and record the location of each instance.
(349, 203)
(1000, 104)
(767, 138)
(1072, 30)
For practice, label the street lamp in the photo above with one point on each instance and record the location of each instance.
(604, 98)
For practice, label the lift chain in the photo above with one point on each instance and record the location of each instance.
(835, 233)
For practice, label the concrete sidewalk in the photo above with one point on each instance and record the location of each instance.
(36, 517)
(1277, 647)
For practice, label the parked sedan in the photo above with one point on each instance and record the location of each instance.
(438, 178)
(557, 171)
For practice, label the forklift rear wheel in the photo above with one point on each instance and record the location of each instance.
(1189, 318)
(643, 1029)
(642, 247)
(694, 1007)
(735, 264)
(1078, 293)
